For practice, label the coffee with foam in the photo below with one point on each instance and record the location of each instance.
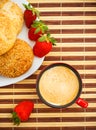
(58, 85)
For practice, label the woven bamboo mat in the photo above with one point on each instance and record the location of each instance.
(73, 24)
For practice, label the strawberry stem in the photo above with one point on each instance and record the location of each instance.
(15, 118)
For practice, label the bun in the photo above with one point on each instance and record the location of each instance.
(15, 14)
(7, 34)
(17, 60)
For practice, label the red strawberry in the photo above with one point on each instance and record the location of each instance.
(32, 35)
(30, 14)
(43, 45)
(22, 111)
(37, 29)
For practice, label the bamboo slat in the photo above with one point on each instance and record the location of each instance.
(91, 53)
(49, 124)
(50, 115)
(72, 26)
(91, 44)
(70, 18)
(72, 62)
(61, 1)
(67, 9)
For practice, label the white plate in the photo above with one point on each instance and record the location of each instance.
(36, 62)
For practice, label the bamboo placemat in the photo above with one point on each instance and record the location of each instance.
(73, 24)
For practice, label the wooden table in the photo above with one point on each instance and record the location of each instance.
(73, 24)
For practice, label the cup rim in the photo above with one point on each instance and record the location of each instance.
(75, 72)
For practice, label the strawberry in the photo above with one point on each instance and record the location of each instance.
(30, 14)
(37, 29)
(22, 111)
(43, 45)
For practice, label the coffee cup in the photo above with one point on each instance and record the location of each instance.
(59, 85)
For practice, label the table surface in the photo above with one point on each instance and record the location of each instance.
(73, 24)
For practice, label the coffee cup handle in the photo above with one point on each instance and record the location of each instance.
(82, 103)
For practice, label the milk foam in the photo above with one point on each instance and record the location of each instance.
(59, 85)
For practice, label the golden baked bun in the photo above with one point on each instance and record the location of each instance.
(7, 34)
(14, 12)
(2, 2)
(17, 60)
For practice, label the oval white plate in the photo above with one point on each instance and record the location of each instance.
(36, 62)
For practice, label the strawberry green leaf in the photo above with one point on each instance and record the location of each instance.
(47, 38)
(25, 6)
(35, 24)
(29, 6)
(48, 35)
(37, 30)
(35, 11)
(53, 41)
(45, 28)
(15, 118)
(42, 39)
(41, 25)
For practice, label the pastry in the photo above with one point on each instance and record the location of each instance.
(17, 60)
(7, 34)
(15, 14)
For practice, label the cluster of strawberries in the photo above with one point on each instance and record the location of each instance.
(38, 32)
